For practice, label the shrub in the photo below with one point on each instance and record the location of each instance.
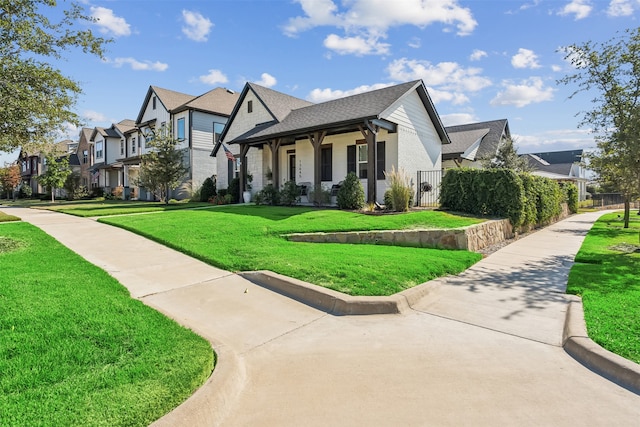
(208, 190)
(351, 193)
(234, 190)
(400, 189)
(268, 196)
(320, 195)
(290, 194)
(572, 197)
(25, 191)
(97, 192)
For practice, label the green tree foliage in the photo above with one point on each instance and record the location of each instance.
(55, 174)
(9, 179)
(37, 99)
(610, 71)
(506, 158)
(351, 193)
(161, 169)
(208, 190)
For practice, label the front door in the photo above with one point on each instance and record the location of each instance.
(292, 166)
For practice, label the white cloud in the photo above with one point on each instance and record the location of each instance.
(525, 58)
(444, 75)
(524, 93)
(556, 68)
(94, 116)
(109, 23)
(364, 23)
(214, 77)
(555, 140)
(355, 45)
(456, 98)
(477, 55)
(458, 119)
(622, 7)
(580, 8)
(267, 80)
(139, 65)
(415, 43)
(322, 95)
(196, 27)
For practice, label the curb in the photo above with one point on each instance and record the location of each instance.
(337, 303)
(578, 345)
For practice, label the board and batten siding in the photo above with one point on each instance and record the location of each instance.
(244, 121)
(419, 146)
(202, 129)
(160, 113)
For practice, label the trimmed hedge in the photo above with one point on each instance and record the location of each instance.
(526, 200)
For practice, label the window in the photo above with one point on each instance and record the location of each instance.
(358, 156)
(122, 147)
(181, 129)
(326, 155)
(133, 145)
(362, 161)
(233, 169)
(153, 101)
(217, 131)
(85, 157)
(249, 106)
(99, 151)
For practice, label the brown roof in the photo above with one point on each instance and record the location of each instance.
(171, 99)
(219, 101)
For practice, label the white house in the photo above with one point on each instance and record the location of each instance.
(289, 139)
(563, 166)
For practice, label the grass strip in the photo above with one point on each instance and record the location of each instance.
(249, 238)
(4, 217)
(605, 275)
(119, 207)
(75, 349)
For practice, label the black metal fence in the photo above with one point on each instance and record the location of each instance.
(607, 199)
(428, 188)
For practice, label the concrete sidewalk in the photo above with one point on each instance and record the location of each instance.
(483, 349)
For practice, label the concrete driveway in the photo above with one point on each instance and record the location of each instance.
(483, 349)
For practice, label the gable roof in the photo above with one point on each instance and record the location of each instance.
(559, 157)
(539, 164)
(218, 101)
(124, 126)
(86, 134)
(170, 99)
(338, 114)
(462, 138)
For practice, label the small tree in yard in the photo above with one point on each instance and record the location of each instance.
(506, 157)
(611, 71)
(9, 179)
(161, 169)
(56, 173)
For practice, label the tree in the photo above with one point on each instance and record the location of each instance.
(9, 179)
(161, 169)
(55, 174)
(506, 158)
(36, 97)
(611, 70)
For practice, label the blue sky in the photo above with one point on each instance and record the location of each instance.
(480, 59)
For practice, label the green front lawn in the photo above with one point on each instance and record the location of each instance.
(120, 207)
(605, 275)
(6, 217)
(248, 238)
(75, 349)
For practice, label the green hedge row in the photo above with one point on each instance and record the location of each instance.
(526, 200)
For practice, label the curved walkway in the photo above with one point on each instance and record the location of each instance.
(482, 348)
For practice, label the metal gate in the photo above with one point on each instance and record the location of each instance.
(428, 189)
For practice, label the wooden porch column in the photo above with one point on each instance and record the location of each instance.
(244, 148)
(274, 145)
(370, 133)
(316, 141)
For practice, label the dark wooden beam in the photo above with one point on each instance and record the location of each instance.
(370, 133)
(274, 145)
(244, 148)
(316, 139)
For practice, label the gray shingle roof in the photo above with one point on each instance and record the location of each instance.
(463, 140)
(332, 113)
(278, 103)
(489, 144)
(171, 99)
(125, 126)
(538, 163)
(557, 157)
(218, 101)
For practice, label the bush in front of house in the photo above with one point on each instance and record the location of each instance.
(290, 194)
(320, 195)
(25, 192)
(351, 193)
(573, 199)
(208, 190)
(400, 190)
(269, 195)
(234, 190)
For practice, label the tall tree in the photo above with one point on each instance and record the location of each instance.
(37, 99)
(506, 157)
(9, 179)
(55, 174)
(161, 168)
(611, 72)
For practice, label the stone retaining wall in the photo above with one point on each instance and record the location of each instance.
(473, 238)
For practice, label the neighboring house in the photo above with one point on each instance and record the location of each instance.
(84, 157)
(109, 150)
(473, 142)
(196, 122)
(563, 166)
(278, 138)
(31, 165)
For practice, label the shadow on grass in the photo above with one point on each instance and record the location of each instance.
(273, 213)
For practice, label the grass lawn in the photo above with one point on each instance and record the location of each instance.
(247, 238)
(606, 277)
(86, 208)
(6, 217)
(75, 349)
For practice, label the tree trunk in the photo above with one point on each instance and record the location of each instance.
(627, 211)
(53, 195)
